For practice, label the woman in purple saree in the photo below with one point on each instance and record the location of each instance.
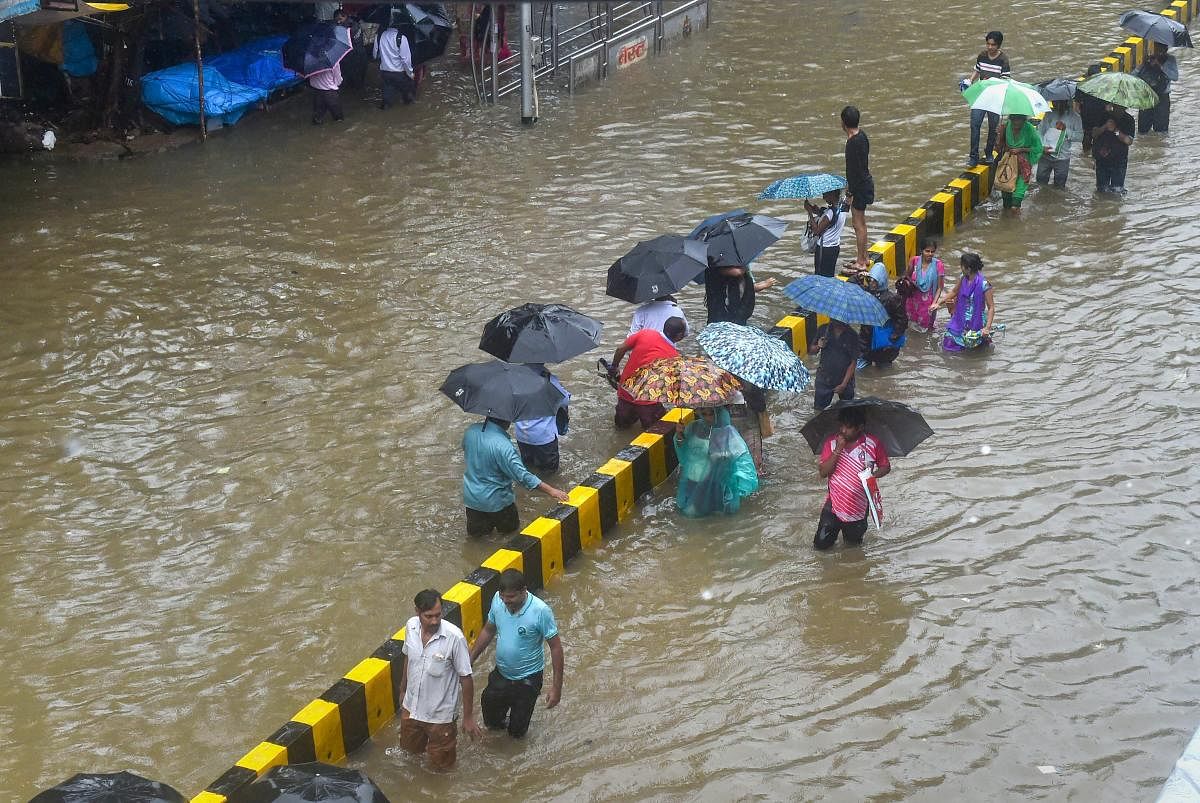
(974, 308)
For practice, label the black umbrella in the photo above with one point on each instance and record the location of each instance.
(109, 787)
(1156, 28)
(428, 27)
(540, 333)
(1057, 89)
(313, 782)
(656, 268)
(737, 238)
(899, 427)
(507, 391)
(315, 48)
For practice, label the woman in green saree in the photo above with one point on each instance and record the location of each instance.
(1020, 137)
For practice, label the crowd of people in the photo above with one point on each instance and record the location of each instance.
(717, 467)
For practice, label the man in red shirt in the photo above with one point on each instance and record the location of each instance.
(843, 457)
(643, 347)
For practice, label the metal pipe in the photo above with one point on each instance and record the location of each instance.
(528, 114)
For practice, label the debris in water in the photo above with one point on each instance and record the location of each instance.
(223, 470)
(985, 449)
(973, 520)
(1046, 769)
(706, 594)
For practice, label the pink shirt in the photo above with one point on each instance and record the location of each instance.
(846, 495)
(327, 79)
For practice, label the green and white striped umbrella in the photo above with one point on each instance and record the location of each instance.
(1004, 96)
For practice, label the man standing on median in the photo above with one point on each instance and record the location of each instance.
(519, 622)
(437, 673)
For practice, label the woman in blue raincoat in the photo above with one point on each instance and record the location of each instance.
(715, 467)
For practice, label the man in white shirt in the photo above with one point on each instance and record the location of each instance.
(436, 676)
(395, 67)
(653, 314)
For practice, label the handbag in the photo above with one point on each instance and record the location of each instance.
(1007, 172)
(808, 240)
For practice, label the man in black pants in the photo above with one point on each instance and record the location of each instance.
(860, 186)
(520, 622)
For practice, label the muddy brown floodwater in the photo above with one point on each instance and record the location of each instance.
(227, 468)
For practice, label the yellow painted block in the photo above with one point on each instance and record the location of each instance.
(549, 532)
(968, 202)
(1183, 11)
(264, 756)
(909, 233)
(622, 471)
(1170, 13)
(918, 213)
(326, 722)
(947, 202)
(1110, 64)
(587, 501)
(1126, 56)
(797, 326)
(656, 445)
(470, 603)
(399, 635)
(376, 676)
(1138, 45)
(209, 797)
(678, 414)
(822, 320)
(503, 559)
(887, 254)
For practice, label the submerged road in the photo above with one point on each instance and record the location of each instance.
(228, 468)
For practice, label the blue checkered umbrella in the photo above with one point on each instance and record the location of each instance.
(805, 185)
(842, 301)
(755, 356)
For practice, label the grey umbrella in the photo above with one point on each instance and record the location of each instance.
(1156, 28)
(1057, 89)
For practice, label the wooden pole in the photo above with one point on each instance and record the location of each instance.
(200, 71)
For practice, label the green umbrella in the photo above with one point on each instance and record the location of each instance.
(1002, 96)
(1120, 89)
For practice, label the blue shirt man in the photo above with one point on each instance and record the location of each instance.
(493, 465)
(519, 622)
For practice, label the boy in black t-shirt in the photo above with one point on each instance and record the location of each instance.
(991, 63)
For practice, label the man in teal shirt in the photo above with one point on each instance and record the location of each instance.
(520, 622)
(493, 465)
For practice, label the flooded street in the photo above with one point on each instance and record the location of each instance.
(228, 469)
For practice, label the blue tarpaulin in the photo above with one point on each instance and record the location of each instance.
(175, 94)
(233, 82)
(257, 64)
(16, 8)
(79, 56)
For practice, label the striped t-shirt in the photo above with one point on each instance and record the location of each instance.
(846, 495)
(989, 67)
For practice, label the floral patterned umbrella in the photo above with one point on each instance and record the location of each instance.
(683, 382)
(753, 355)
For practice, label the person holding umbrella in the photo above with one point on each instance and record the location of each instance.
(1061, 126)
(1110, 148)
(1158, 71)
(643, 347)
(827, 224)
(537, 438)
(844, 456)
(503, 392)
(1020, 138)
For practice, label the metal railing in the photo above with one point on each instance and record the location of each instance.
(588, 38)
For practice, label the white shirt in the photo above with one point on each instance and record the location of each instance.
(433, 690)
(393, 52)
(832, 236)
(653, 314)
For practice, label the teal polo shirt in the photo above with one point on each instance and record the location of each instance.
(519, 636)
(493, 465)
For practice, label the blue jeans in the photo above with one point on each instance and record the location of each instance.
(993, 119)
(1111, 175)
